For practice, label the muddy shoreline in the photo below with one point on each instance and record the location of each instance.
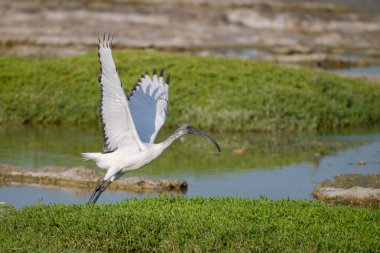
(317, 34)
(354, 189)
(78, 178)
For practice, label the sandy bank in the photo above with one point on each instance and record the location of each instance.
(84, 178)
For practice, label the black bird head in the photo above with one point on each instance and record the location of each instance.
(188, 129)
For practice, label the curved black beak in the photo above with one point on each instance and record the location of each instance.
(193, 130)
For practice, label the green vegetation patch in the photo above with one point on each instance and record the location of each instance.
(175, 224)
(209, 92)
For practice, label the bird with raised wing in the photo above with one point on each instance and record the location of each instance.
(131, 123)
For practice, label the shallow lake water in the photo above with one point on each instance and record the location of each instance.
(364, 71)
(250, 164)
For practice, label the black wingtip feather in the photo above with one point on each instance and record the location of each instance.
(112, 39)
(161, 72)
(167, 79)
(106, 40)
(154, 72)
(134, 88)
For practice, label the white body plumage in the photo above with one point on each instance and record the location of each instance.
(122, 160)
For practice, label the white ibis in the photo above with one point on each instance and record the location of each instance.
(131, 123)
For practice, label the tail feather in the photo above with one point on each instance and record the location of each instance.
(91, 156)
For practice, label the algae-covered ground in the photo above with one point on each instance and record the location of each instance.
(209, 92)
(175, 224)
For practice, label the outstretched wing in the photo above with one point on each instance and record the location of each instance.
(148, 102)
(118, 127)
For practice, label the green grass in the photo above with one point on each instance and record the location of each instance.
(174, 224)
(209, 92)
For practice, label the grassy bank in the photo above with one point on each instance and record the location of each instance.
(170, 224)
(210, 92)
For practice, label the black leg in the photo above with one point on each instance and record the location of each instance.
(97, 189)
(102, 189)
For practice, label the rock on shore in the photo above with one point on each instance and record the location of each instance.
(350, 189)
